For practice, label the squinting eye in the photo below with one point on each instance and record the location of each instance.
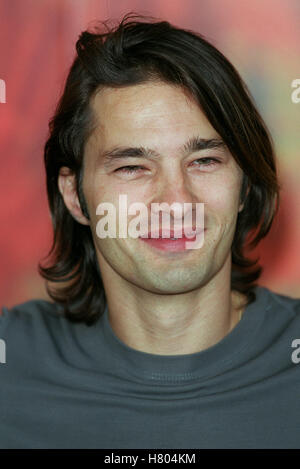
(204, 161)
(129, 169)
(132, 169)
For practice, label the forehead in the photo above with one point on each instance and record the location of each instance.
(146, 108)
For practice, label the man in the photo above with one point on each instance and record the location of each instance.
(149, 344)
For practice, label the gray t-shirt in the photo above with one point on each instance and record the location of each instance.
(69, 385)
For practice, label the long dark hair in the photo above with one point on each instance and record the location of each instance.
(137, 50)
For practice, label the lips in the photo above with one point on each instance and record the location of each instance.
(168, 244)
(186, 233)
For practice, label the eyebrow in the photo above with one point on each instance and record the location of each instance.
(194, 144)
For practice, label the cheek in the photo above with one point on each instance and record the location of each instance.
(95, 193)
(221, 211)
(98, 192)
(221, 198)
(225, 199)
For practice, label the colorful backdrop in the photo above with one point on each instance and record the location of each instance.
(37, 40)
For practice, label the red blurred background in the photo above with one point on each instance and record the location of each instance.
(37, 45)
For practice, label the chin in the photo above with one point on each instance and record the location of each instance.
(172, 286)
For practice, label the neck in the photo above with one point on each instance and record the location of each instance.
(171, 324)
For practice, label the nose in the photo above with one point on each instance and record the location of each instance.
(174, 188)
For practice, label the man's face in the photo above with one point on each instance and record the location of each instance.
(160, 117)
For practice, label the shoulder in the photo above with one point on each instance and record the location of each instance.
(265, 299)
(273, 310)
(35, 332)
(280, 316)
(282, 303)
(31, 315)
(32, 309)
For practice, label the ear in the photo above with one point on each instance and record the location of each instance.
(67, 187)
(241, 206)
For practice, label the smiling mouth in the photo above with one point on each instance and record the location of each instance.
(188, 234)
(171, 243)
